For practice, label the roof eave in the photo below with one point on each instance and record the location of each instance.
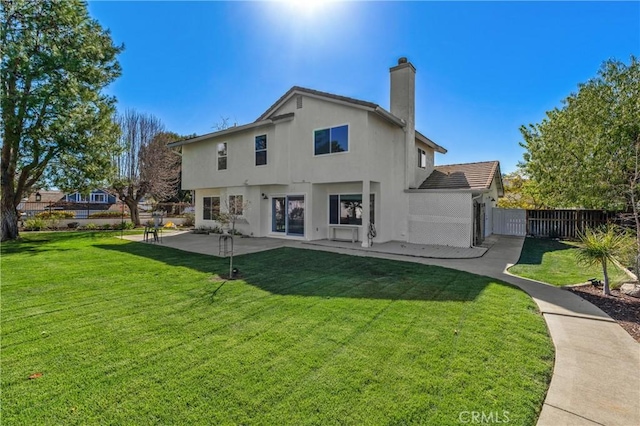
(422, 138)
(389, 117)
(459, 190)
(232, 130)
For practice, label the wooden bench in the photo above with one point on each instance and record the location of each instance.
(353, 228)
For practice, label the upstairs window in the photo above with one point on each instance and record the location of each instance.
(236, 205)
(422, 159)
(211, 208)
(261, 150)
(222, 156)
(332, 140)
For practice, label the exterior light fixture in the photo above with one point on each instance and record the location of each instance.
(38, 197)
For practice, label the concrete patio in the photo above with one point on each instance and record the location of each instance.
(209, 244)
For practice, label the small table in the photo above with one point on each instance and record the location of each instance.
(354, 231)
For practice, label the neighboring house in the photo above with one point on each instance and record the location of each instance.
(317, 165)
(81, 205)
(96, 196)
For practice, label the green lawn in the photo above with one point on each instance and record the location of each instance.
(554, 262)
(129, 333)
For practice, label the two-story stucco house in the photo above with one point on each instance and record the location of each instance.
(317, 165)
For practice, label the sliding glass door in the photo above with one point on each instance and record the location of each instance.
(287, 215)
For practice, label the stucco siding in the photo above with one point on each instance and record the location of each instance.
(440, 219)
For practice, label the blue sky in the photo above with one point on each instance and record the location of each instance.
(483, 68)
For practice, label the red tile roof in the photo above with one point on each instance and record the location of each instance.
(469, 176)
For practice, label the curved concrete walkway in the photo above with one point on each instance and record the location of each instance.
(596, 376)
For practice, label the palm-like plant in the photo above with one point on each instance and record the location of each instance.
(601, 246)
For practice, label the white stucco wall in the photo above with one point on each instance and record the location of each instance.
(440, 218)
(376, 153)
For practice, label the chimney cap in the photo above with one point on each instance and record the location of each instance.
(402, 60)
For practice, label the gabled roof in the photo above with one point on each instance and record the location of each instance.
(233, 129)
(268, 116)
(297, 90)
(344, 100)
(369, 106)
(467, 176)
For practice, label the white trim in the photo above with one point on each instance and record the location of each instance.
(284, 234)
(266, 150)
(218, 169)
(313, 139)
(421, 153)
(219, 205)
(241, 215)
(375, 197)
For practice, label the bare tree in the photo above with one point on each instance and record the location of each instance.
(146, 167)
(236, 208)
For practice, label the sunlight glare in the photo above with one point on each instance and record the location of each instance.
(306, 7)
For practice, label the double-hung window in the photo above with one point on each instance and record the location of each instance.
(261, 150)
(222, 156)
(235, 205)
(211, 208)
(422, 159)
(346, 209)
(331, 140)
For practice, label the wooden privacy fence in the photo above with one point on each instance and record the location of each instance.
(564, 223)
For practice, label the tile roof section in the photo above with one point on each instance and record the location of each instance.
(46, 196)
(299, 89)
(463, 176)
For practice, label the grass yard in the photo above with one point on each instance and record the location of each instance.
(554, 262)
(128, 333)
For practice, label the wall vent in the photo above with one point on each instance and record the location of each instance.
(298, 101)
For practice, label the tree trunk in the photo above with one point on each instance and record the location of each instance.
(9, 219)
(133, 209)
(605, 287)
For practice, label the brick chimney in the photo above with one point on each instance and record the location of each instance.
(403, 105)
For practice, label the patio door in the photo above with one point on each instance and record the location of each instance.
(287, 215)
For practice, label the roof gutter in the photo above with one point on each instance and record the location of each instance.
(232, 130)
(440, 191)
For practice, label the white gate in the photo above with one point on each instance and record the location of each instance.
(510, 222)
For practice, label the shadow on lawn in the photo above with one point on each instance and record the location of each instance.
(36, 243)
(296, 272)
(535, 248)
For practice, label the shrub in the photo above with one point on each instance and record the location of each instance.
(35, 224)
(90, 227)
(106, 226)
(603, 246)
(55, 215)
(107, 214)
(123, 225)
(189, 219)
(72, 225)
(217, 230)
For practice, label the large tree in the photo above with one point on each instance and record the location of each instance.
(56, 123)
(145, 166)
(586, 154)
(519, 193)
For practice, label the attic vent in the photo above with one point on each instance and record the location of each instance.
(298, 101)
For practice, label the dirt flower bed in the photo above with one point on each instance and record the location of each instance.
(622, 308)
